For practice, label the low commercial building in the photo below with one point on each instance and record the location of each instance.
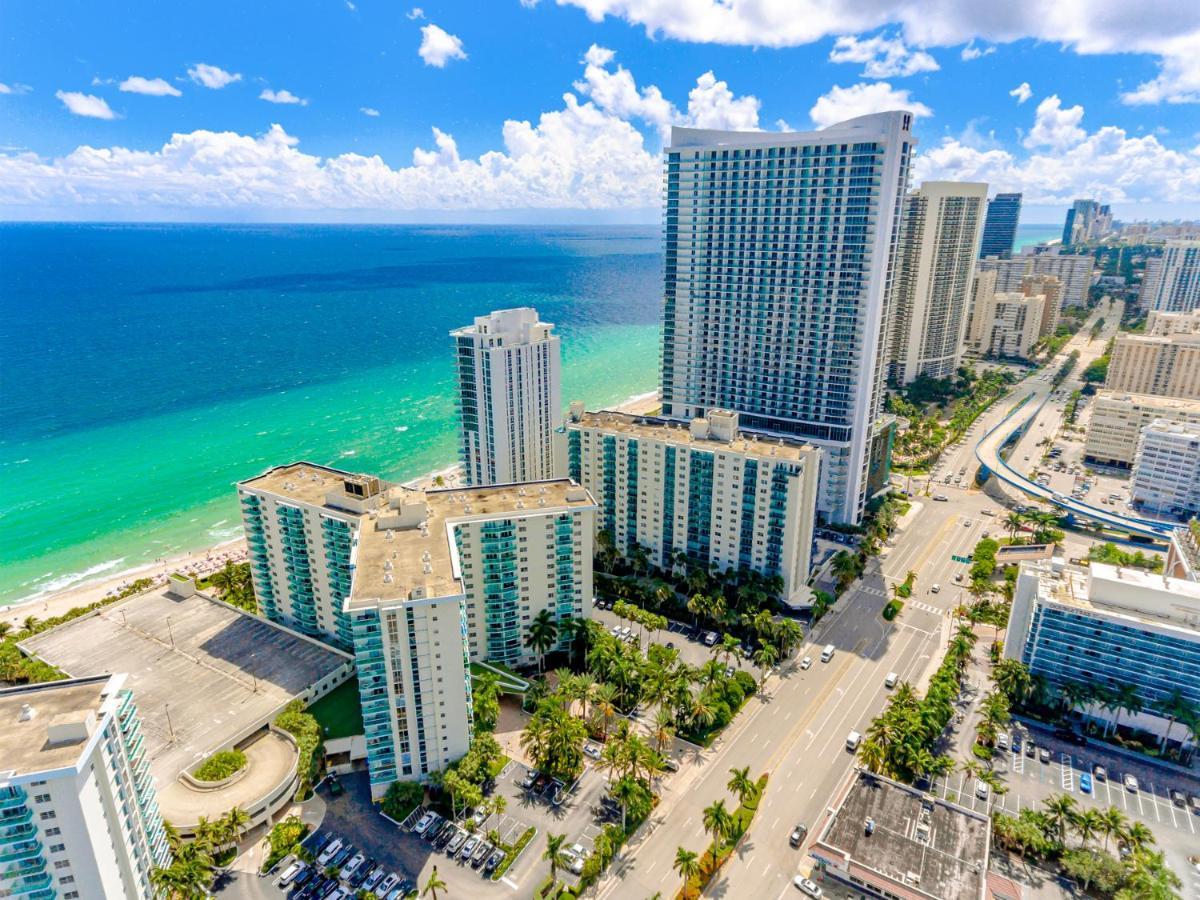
(720, 496)
(1166, 470)
(887, 839)
(1164, 360)
(1117, 420)
(1111, 626)
(79, 814)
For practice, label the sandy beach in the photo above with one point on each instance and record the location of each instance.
(206, 561)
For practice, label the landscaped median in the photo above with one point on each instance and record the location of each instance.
(727, 830)
(512, 852)
(220, 766)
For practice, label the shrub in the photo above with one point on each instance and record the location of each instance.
(512, 854)
(892, 609)
(402, 798)
(304, 728)
(221, 765)
(283, 839)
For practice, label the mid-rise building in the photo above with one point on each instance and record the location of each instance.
(1177, 282)
(1072, 269)
(1163, 361)
(1109, 626)
(1166, 469)
(79, 815)
(779, 257)
(939, 243)
(1050, 289)
(983, 286)
(510, 397)
(1008, 323)
(1117, 421)
(1000, 226)
(722, 497)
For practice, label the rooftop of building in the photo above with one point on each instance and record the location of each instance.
(408, 548)
(27, 714)
(519, 323)
(200, 670)
(715, 432)
(929, 845)
(1135, 595)
(874, 126)
(1147, 400)
(317, 485)
(1017, 552)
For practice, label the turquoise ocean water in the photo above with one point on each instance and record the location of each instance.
(146, 368)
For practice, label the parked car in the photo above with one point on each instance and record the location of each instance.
(482, 852)
(493, 861)
(1085, 783)
(456, 842)
(806, 887)
(1100, 773)
(326, 856)
(351, 867)
(592, 750)
(372, 881)
(1178, 797)
(385, 886)
(424, 822)
(1044, 755)
(1130, 782)
(469, 847)
(806, 662)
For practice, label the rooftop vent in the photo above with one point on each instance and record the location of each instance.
(387, 565)
(27, 713)
(387, 577)
(922, 834)
(426, 568)
(912, 878)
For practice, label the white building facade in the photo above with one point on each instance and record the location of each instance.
(1176, 287)
(719, 496)
(1118, 419)
(509, 373)
(939, 244)
(79, 813)
(1073, 270)
(780, 251)
(1166, 470)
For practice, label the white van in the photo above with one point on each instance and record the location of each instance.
(827, 653)
(291, 873)
(330, 852)
(890, 681)
(852, 741)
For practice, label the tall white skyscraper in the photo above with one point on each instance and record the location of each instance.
(1177, 284)
(510, 397)
(939, 242)
(779, 255)
(79, 813)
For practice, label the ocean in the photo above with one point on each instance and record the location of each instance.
(144, 369)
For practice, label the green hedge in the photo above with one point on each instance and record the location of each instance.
(283, 839)
(304, 728)
(220, 765)
(512, 854)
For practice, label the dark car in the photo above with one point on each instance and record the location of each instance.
(492, 862)
(799, 833)
(319, 841)
(361, 873)
(1031, 749)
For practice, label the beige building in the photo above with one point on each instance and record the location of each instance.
(1118, 419)
(939, 243)
(1004, 323)
(1164, 361)
(1073, 270)
(1050, 287)
(983, 286)
(721, 497)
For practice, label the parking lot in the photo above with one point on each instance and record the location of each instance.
(684, 637)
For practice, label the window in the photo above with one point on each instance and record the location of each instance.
(48, 814)
(53, 832)
(41, 798)
(62, 864)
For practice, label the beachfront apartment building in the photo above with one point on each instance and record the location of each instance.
(939, 243)
(509, 377)
(1117, 420)
(1005, 323)
(1000, 226)
(1074, 270)
(436, 580)
(1100, 624)
(721, 497)
(1164, 360)
(780, 250)
(79, 814)
(1176, 286)
(1166, 469)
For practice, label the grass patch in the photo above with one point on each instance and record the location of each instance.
(892, 609)
(221, 765)
(339, 713)
(511, 856)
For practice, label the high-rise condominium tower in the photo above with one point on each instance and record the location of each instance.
(1000, 227)
(79, 812)
(1079, 225)
(939, 242)
(1177, 285)
(510, 397)
(779, 251)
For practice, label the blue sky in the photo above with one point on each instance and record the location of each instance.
(165, 110)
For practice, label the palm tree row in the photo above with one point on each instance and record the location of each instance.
(234, 584)
(723, 826)
(191, 871)
(1043, 525)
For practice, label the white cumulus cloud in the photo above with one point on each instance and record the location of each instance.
(151, 87)
(438, 47)
(286, 97)
(841, 103)
(213, 77)
(369, 111)
(1103, 26)
(88, 105)
(415, 13)
(883, 57)
(14, 88)
(971, 51)
(1022, 92)
(1055, 127)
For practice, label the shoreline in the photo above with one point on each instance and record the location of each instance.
(205, 560)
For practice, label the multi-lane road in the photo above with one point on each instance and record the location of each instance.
(797, 730)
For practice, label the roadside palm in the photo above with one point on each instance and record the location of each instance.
(741, 784)
(717, 822)
(433, 885)
(686, 864)
(554, 854)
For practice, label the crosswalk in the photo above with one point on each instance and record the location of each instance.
(910, 603)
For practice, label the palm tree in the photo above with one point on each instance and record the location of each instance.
(845, 568)
(1138, 836)
(686, 864)
(543, 632)
(5, 628)
(717, 822)
(1175, 706)
(765, 657)
(1088, 824)
(604, 706)
(698, 606)
(664, 729)
(554, 854)
(741, 784)
(1013, 522)
(1012, 677)
(729, 648)
(872, 755)
(238, 820)
(1113, 823)
(29, 623)
(433, 885)
(701, 710)
(1061, 810)
(1128, 699)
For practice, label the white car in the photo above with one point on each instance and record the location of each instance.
(351, 867)
(806, 662)
(935, 589)
(1131, 783)
(808, 888)
(330, 852)
(592, 750)
(578, 857)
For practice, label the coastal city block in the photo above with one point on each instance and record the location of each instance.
(890, 589)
